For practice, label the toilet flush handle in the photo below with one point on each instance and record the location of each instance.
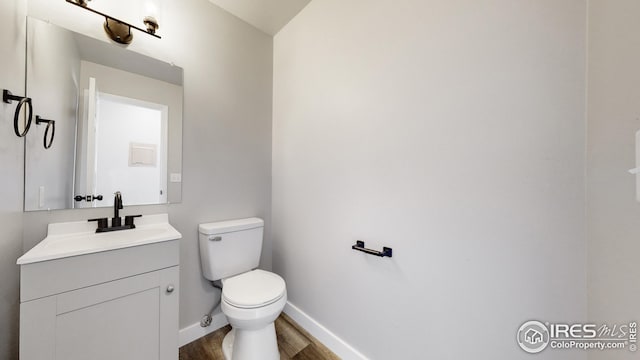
(215, 238)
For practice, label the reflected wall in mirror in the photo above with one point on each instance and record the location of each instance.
(118, 123)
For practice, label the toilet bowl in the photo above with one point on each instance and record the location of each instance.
(251, 299)
(251, 302)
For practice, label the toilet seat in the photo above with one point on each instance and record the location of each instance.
(253, 289)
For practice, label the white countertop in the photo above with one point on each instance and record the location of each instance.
(79, 238)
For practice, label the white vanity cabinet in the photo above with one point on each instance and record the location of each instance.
(116, 303)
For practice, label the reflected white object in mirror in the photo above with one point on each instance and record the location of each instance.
(104, 99)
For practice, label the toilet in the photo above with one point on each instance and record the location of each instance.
(252, 299)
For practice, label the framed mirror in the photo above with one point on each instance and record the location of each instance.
(117, 123)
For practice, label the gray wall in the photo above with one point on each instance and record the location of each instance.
(613, 211)
(226, 149)
(12, 38)
(453, 132)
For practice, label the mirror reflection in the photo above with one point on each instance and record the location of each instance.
(118, 123)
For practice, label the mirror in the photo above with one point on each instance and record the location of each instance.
(117, 123)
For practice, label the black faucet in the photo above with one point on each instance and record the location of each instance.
(117, 206)
(116, 221)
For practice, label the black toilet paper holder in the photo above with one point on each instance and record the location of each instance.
(386, 251)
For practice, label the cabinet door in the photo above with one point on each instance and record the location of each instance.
(169, 312)
(131, 318)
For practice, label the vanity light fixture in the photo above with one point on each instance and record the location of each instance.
(151, 23)
(118, 30)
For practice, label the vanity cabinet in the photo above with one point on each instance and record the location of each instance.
(116, 304)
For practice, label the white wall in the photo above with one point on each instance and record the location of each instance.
(451, 131)
(12, 38)
(227, 128)
(614, 119)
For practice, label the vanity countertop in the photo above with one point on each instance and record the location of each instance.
(79, 238)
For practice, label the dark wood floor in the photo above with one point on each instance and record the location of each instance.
(293, 341)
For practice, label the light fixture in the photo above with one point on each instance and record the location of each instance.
(151, 23)
(118, 30)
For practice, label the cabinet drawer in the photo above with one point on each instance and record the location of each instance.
(53, 277)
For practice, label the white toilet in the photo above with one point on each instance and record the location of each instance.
(251, 299)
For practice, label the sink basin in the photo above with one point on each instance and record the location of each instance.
(79, 238)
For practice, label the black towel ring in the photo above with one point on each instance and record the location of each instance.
(51, 124)
(8, 98)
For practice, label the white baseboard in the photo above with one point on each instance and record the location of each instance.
(195, 331)
(324, 335)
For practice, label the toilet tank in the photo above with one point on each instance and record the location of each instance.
(229, 248)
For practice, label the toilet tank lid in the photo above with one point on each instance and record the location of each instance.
(221, 227)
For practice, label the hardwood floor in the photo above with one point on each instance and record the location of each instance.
(293, 341)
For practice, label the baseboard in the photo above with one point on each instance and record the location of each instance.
(324, 335)
(195, 331)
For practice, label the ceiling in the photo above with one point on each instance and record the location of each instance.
(267, 15)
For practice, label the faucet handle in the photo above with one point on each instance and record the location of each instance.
(128, 220)
(103, 223)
